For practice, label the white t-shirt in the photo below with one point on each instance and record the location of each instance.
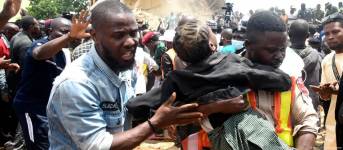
(143, 61)
(293, 64)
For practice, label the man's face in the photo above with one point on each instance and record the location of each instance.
(62, 29)
(116, 40)
(223, 41)
(35, 31)
(334, 35)
(303, 7)
(11, 32)
(269, 49)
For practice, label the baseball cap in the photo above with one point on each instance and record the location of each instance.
(150, 36)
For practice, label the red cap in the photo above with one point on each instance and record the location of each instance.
(47, 23)
(148, 37)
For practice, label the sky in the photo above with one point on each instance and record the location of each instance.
(245, 5)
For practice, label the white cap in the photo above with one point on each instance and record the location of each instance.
(168, 36)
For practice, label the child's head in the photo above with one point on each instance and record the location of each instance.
(194, 41)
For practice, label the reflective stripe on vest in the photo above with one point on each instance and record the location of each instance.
(196, 141)
(283, 102)
(172, 54)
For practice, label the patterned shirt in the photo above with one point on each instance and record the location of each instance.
(246, 130)
(81, 49)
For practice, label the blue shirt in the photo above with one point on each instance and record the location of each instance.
(38, 76)
(228, 49)
(238, 44)
(87, 104)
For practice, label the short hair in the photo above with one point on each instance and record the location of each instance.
(57, 22)
(227, 33)
(26, 22)
(336, 17)
(191, 41)
(264, 21)
(299, 29)
(103, 8)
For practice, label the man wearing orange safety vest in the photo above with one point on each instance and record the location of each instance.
(291, 112)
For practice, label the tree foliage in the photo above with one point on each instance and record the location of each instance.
(43, 9)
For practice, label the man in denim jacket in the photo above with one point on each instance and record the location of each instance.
(86, 109)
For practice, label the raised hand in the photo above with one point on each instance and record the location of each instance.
(79, 26)
(10, 8)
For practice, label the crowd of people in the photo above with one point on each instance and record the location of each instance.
(100, 80)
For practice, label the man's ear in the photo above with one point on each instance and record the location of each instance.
(212, 46)
(93, 33)
(289, 34)
(246, 43)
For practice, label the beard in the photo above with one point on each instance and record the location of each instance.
(114, 62)
(116, 65)
(119, 66)
(128, 65)
(336, 47)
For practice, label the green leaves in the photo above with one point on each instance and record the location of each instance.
(44, 9)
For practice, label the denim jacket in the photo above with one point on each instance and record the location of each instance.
(87, 104)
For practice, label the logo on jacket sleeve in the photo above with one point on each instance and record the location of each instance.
(109, 106)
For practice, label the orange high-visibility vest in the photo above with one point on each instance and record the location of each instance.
(196, 141)
(283, 102)
(172, 54)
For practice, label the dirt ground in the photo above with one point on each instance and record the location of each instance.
(157, 145)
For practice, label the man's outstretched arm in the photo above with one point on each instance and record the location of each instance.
(10, 9)
(165, 116)
(51, 48)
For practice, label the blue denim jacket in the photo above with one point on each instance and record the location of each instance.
(87, 104)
